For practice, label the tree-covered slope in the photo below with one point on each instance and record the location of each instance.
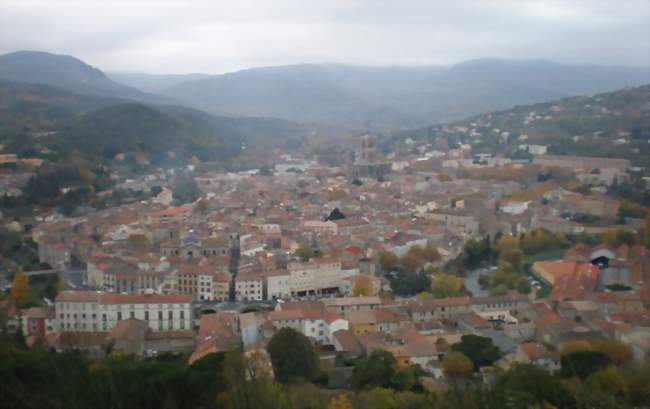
(614, 124)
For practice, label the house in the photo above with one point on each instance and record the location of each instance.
(217, 333)
(346, 343)
(345, 305)
(194, 247)
(514, 206)
(171, 214)
(249, 286)
(375, 320)
(318, 325)
(277, 284)
(400, 243)
(319, 227)
(503, 308)
(533, 353)
(446, 308)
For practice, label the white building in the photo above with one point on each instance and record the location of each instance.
(88, 311)
(277, 284)
(249, 286)
(316, 325)
(315, 276)
(514, 206)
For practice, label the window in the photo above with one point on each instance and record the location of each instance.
(171, 315)
(182, 314)
(160, 315)
(146, 315)
(119, 315)
(132, 314)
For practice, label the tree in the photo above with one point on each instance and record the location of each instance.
(536, 382)
(387, 259)
(335, 214)
(265, 170)
(606, 385)
(155, 190)
(484, 280)
(506, 242)
(184, 188)
(513, 256)
(443, 177)
(304, 252)
(618, 352)
(575, 346)
(523, 286)
(292, 356)
(20, 288)
(446, 285)
(476, 252)
(479, 349)
(378, 369)
(138, 240)
(362, 287)
(456, 365)
(430, 254)
(340, 402)
(626, 237)
(583, 363)
(411, 262)
(407, 284)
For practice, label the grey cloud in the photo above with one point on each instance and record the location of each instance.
(220, 36)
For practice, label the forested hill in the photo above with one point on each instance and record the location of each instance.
(35, 116)
(25, 107)
(614, 124)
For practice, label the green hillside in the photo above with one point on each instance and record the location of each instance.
(614, 124)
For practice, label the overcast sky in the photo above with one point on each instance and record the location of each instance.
(216, 36)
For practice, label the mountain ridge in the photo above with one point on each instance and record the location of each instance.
(397, 96)
(65, 72)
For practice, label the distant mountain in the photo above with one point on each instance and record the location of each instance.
(65, 72)
(397, 96)
(151, 82)
(614, 124)
(336, 94)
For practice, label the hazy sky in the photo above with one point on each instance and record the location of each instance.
(217, 36)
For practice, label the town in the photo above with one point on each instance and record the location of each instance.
(409, 254)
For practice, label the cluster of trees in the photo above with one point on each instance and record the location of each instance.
(408, 275)
(510, 253)
(17, 250)
(414, 260)
(445, 285)
(185, 188)
(483, 252)
(617, 237)
(509, 274)
(66, 185)
(589, 378)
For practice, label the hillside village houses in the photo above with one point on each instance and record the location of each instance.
(225, 274)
